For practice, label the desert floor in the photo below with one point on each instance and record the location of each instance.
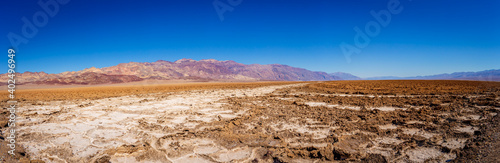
(344, 121)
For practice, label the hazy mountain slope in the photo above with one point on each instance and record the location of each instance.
(487, 75)
(345, 76)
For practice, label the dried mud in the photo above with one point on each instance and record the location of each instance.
(338, 121)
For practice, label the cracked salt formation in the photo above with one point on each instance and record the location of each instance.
(418, 132)
(87, 129)
(388, 127)
(290, 123)
(466, 129)
(423, 154)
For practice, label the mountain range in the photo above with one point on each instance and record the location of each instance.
(203, 70)
(211, 70)
(486, 75)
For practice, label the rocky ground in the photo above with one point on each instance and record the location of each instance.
(341, 121)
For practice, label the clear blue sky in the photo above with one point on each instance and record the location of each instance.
(426, 37)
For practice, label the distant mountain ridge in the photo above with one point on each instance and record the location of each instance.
(345, 76)
(207, 69)
(486, 75)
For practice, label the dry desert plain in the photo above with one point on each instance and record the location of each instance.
(334, 121)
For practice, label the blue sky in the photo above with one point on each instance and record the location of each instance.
(426, 37)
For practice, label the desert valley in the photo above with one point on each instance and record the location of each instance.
(223, 111)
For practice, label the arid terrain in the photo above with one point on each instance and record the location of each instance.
(330, 121)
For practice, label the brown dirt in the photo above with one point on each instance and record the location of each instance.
(338, 121)
(106, 91)
(438, 107)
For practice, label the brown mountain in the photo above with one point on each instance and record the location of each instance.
(208, 69)
(90, 78)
